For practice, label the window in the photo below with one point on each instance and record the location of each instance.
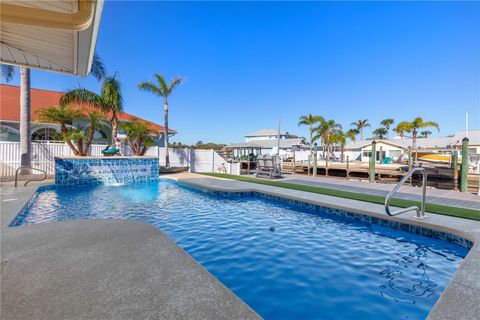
(367, 153)
(395, 154)
(46, 134)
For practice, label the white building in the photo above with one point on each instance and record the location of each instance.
(265, 141)
(398, 148)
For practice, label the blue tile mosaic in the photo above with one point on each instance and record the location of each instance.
(71, 172)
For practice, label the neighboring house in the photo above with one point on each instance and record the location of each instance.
(267, 134)
(266, 141)
(40, 99)
(398, 147)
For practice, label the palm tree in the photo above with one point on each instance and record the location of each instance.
(419, 123)
(402, 128)
(8, 71)
(109, 101)
(162, 89)
(310, 120)
(340, 138)
(325, 131)
(138, 136)
(78, 139)
(425, 133)
(65, 116)
(380, 133)
(360, 125)
(387, 123)
(352, 134)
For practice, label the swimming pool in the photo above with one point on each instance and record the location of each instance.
(285, 261)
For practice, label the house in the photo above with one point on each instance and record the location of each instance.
(267, 134)
(265, 141)
(41, 131)
(398, 147)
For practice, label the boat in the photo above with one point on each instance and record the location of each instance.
(434, 157)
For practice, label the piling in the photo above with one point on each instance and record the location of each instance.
(455, 170)
(464, 172)
(348, 166)
(314, 173)
(372, 161)
(326, 165)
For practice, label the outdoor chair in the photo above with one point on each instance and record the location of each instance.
(268, 166)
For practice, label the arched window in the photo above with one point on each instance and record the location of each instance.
(46, 134)
(100, 137)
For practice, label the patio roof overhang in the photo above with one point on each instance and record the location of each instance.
(58, 36)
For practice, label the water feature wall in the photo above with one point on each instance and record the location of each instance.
(76, 171)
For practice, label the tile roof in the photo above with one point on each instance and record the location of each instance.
(10, 105)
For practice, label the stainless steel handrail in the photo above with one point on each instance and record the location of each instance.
(420, 211)
(30, 168)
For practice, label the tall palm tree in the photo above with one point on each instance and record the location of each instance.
(380, 133)
(387, 123)
(360, 125)
(109, 101)
(402, 128)
(352, 134)
(310, 120)
(325, 131)
(425, 133)
(8, 71)
(419, 123)
(164, 90)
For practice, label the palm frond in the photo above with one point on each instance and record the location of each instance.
(7, 72)
(150, 87)
(174, 83)
(111, 95)
(81, 96)
(98, 69)
(163, 84)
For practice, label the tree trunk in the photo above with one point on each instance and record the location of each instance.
(25, 120)
(361, 134)
(116, 141)
(130, 144)
(165, 116)
(91, 132)
(64, 131)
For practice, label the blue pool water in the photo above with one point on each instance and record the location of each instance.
(285, 261)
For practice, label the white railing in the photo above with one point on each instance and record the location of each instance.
(43, 155)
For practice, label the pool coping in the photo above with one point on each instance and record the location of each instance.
(461, 298)
(63, 270)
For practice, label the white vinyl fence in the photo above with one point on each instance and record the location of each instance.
(43, 155)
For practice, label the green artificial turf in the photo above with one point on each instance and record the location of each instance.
(430, 207)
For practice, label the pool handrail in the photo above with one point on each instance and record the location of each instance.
(420, 211)
(29, 168)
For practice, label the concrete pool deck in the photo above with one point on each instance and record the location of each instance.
(130, 270)
(103, 269)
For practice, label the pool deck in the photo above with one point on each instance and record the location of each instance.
(114, 269)
(437, 196)
(103, 269)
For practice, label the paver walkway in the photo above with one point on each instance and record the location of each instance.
(438, 196)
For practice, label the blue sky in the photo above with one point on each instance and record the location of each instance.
(247, 64)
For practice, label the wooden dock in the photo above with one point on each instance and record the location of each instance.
(438, 177)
